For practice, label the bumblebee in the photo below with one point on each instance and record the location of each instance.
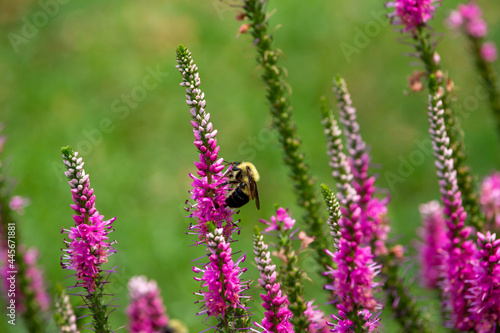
(242, 176)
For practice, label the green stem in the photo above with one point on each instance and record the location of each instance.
(281, 111)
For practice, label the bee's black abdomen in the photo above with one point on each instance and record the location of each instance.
(237, 198)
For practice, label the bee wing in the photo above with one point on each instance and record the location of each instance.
(253, 188)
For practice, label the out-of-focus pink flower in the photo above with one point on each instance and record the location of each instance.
(490, 199)
(489, 52)
(433, 234)
(470, 11)
(316, 317)
(17, 203)
(146, 312)
(477, 28)
(455, 19)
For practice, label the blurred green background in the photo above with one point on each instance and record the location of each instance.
(67, 82)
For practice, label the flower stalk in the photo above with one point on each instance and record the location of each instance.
(281, 111)
(88, 246)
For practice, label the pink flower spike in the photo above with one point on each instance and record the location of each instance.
(277, 317)
(88, 247)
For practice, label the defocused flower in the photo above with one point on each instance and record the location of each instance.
(88, 247)
(316, 318)
(470, 17)
(146, 312)
(17, 203)
(489, 52)
(65, 316)
(433, 234)
(412, 13)
(36, 280)
(490, 199)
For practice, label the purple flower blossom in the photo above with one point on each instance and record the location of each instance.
(412, 13)
(209, 190)
(17, 203)
(282, 220)
(459, 250)
(146, 312)
(221, 276)
(342, 323)
(88, 247)
(316, 318)
(433, 234)
(490, 199)
(486, 291)
(277, 315)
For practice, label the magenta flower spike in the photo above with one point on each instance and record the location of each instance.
(459, 249)
(412, 14)
(146, 312)
(486, 291)
(88, 246)
(221, 276)
(373, 218)
(208, 191)
(277, 316)
(490, 199)
(353, 277)
(433, 234)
